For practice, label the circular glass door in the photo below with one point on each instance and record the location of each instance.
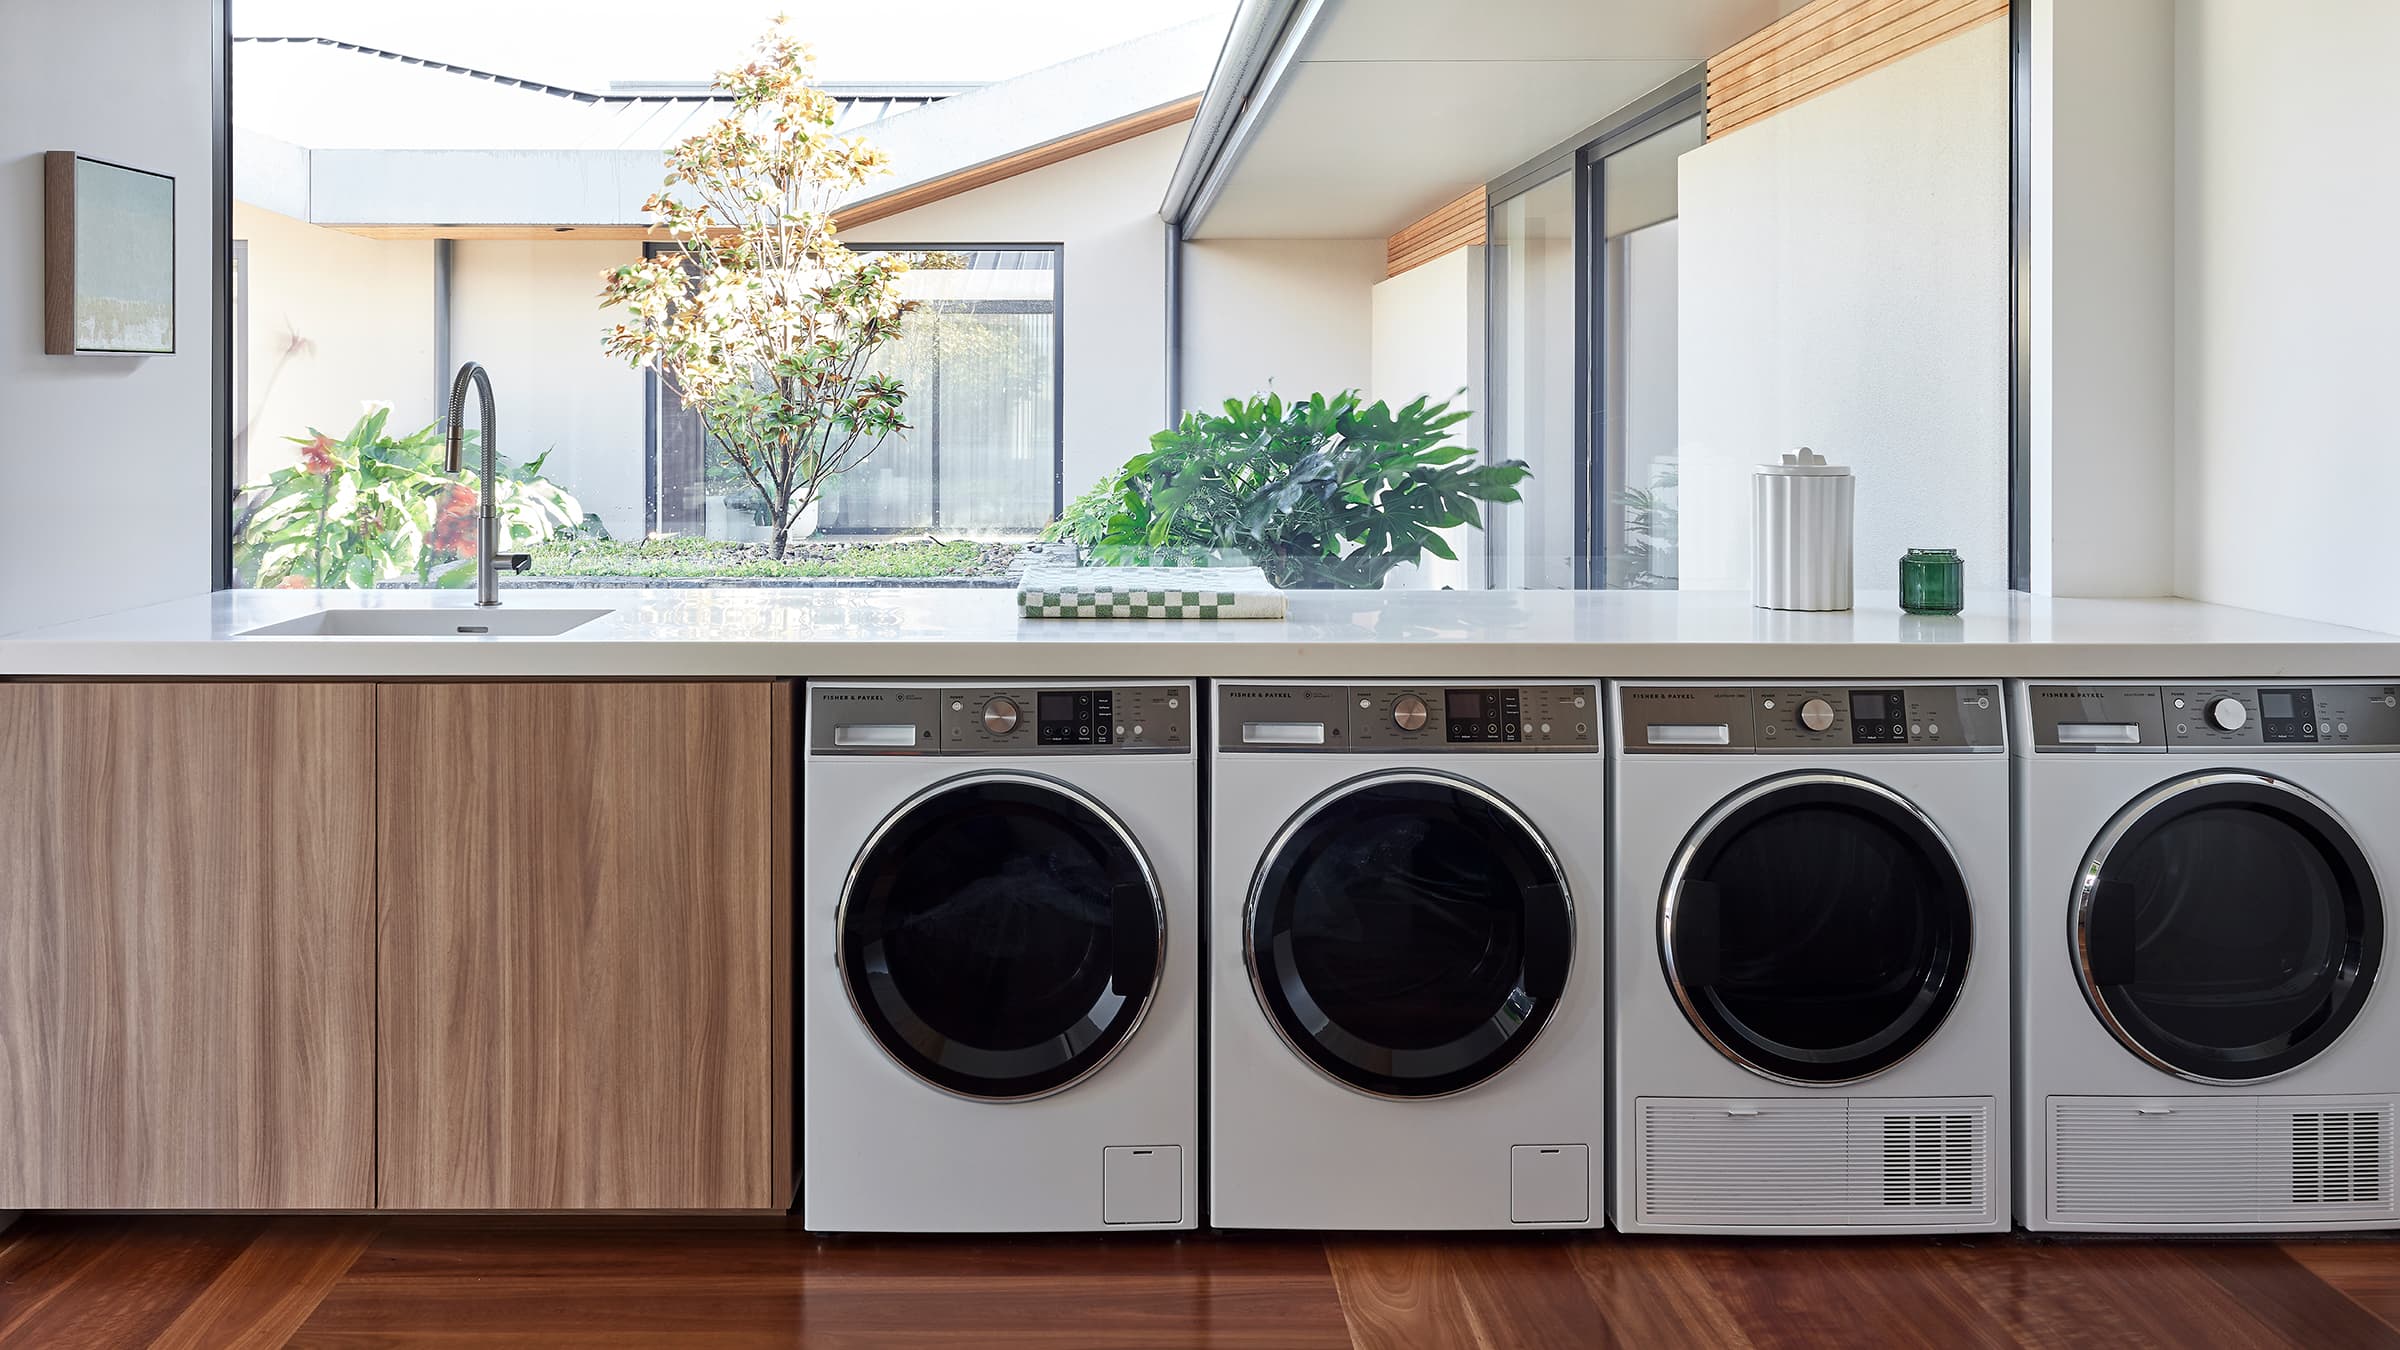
(1001, 935)
(1409, 934)
(1816, 928)
(2226, 927)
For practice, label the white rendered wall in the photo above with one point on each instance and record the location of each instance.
(529, 310)
(1291, 316)
(1425, 338)
(1103, 207)
(333, 320)
(2288, 449)
(109, 458)
(1844, 277)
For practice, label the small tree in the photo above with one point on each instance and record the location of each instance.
(763, 323)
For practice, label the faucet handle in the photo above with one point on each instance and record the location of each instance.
(519, 563)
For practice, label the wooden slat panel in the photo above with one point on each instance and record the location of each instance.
(584, 985)
(1455, 224)
(1826, 44)
(187, 946)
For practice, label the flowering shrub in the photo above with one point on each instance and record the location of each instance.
(762, 322)
(373, 507)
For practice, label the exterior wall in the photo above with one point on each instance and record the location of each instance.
(333, 321)
(529, 310)
(1288, 315)
(1102, 208)
(1427, 339)
(1844, 285)
(2285, 476)
(108, 457)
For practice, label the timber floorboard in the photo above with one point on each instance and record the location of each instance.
(115, 1281)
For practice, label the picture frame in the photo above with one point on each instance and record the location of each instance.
(108, 258)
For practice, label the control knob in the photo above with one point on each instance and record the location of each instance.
(1000, 716)
(1409, 713)
(2227, 714)
(1816, 714)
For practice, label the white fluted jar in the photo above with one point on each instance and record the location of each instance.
(1802, 515)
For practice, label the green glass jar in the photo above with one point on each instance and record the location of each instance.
(1933, 581)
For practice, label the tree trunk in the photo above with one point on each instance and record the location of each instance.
(783, 537)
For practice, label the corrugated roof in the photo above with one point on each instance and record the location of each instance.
(323, 93)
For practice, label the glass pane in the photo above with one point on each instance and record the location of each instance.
(2242, 935)
(1532, 332)
(1403, 910)
(1640, 447)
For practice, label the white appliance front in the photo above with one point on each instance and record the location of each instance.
(1000, 958)
(2203, 1046)
(1809, 945)
(1406, 962)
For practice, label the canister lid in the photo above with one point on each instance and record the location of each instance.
(1806, 463)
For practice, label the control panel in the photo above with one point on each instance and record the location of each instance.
(1412, 718)
(1001, 719)
(1823, 719)
(2204, 716)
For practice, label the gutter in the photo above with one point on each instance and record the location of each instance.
(1259, 49)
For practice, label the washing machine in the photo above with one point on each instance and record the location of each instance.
(2203, 1046)
(1406, 956)
(1809, 920)
(1000, 1018)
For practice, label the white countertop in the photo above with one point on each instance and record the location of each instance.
(976, 634)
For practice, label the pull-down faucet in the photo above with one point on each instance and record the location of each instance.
(488, 558)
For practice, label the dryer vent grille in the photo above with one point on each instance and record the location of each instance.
(2338, 1157)
(2203, 1162)
(1769, 1163)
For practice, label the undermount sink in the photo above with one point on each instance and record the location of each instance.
(504, 621)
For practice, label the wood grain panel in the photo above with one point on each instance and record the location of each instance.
(1822, 45)
(186, 946)
(58, 252)
(581, 943)
(1455, 224)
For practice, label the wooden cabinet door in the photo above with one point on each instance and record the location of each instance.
(186, 946)
(585, 946)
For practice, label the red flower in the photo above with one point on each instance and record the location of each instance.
(454, 522)
(292, 584)
(317, 456)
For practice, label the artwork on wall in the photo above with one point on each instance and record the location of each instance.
(109, 258)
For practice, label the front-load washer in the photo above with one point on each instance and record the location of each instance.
(1405, 964)
(1809, 947)
(999, 957)
(2201, 932)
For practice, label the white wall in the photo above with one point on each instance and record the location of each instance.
(2287, 350)
(108, 458)
(2100, 397)
(1291, 316)
(1426, 337)
(529, 310)
(1103, 208)
(1844, 285)
(334, 320)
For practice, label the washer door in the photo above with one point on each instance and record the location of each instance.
(2226, 927)
(1002, 935)
(1816, 928)
(1409, 933)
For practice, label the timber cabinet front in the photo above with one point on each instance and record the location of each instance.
(504, 946)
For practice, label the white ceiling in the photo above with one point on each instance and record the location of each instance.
(1397, 106)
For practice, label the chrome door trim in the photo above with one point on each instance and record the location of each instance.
(2083, 894)
(1348, 788)
(1024, 778)
(1689, 852)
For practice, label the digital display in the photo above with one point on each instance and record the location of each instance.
(1874, 705)
(1057, 707)
(1464, 705)
(2278, 704)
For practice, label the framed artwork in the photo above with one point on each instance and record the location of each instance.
(108, 258)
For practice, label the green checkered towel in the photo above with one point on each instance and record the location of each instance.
(1052, 592)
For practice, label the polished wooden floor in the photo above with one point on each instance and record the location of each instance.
(95, 1281)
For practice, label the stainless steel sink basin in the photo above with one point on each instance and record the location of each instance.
(506, 621)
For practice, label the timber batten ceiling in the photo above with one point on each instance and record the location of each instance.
(1453, 225)
(1825, 44)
